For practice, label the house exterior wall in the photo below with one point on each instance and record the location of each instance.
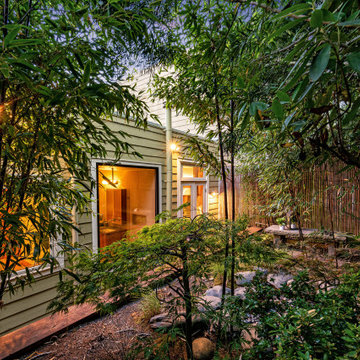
(142, 84)
(31, 304)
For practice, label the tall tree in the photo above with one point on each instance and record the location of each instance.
(206, 83)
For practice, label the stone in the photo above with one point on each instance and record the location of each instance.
(262, 270)
(244, 277)
(160, 321)
(279, 279)
(240, 292)
(166, 321)
(249, 336)
(203, 349)
(209, 301)
(216, 291)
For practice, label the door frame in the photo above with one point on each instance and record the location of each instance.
(94, 195)
(181, 181)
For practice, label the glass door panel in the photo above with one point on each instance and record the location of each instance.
(186, 198)
(194, 194)
(199, 199)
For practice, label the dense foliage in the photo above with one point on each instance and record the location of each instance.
(60, 66)
(300, 322)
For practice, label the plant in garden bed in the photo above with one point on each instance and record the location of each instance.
(299, 322)
(150, 306)
(183, 249)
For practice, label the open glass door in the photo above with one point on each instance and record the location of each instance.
(193, 193)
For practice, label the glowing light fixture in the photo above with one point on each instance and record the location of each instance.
(174, 147)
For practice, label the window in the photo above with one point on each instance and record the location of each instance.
(189, 171)
(192, 187)
(127, 201)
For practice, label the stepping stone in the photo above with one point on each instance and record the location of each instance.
(216, 291)
(161, 321)
(278, 280)
(240, 292)
(244, 277)
(209, 301)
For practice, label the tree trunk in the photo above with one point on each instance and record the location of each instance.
(188, 306)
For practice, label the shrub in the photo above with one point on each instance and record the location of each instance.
(149, 306)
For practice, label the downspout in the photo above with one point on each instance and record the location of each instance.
(168, 159)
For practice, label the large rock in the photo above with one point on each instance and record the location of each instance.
(279, 279)
(244, 277)
(209, 301)
(262, 270)
(216, 291)
(203, 349)
(161, 321)
(240, 292)
(166, 321)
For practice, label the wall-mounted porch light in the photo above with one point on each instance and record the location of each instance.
(174, 147)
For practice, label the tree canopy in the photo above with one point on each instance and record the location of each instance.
(60, 66)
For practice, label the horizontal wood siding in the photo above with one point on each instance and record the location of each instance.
(142, 83)
(31, 304)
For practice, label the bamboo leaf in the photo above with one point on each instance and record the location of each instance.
(287, 120)
(287, 26)
(316, 19)
(298, 8)
(320, 63)
(354, 60)
(11, 36)
(277, 109)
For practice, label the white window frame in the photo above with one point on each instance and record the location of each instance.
(181, 181)
(94, 198)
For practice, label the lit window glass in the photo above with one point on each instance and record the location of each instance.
(127, 201)
(192, 171)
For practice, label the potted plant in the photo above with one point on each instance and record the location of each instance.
(281, 222)
(293, 222)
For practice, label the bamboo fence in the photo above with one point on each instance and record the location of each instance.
(332, 199)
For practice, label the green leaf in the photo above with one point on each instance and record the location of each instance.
(11, 35)
(86, 77)
(316, 19)
(320, 63)
(277, 109)
(298, 8)
(354, 60)
(257, 105)
(287, 120)
(4, 68)
(352, 113)
(350, 22)
(328, 16)
(283, 96)
(287, 26)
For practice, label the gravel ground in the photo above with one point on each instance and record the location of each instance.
(108, 337)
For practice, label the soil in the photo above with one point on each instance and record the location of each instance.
(107, 338)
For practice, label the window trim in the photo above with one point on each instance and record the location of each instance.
(95, 196)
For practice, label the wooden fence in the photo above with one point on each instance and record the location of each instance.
(332, 198)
